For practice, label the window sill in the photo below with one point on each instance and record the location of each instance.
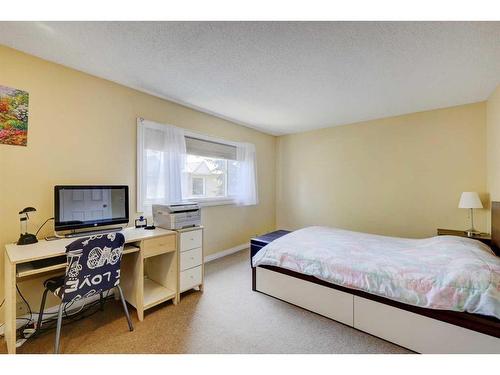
(209, 202)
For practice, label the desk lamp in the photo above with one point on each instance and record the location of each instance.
(26, 238)
(470, 199)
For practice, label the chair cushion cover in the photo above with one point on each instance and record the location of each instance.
(93, 265)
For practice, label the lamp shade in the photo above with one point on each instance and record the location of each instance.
(470, 199)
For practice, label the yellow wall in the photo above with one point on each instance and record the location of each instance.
(493, 144)
(399, 176)
(82, 130)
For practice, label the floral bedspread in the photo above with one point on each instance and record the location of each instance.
(443, 272)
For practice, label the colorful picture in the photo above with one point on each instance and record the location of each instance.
(13, 116)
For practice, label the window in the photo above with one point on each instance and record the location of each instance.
(154, 176)
(198, 186)
(209, 165)
(175, 165)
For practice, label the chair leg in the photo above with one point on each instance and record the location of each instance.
(42, 307)
(130, 326)
(101, 301)
(58, 330)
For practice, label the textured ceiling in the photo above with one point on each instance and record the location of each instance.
(281, 77)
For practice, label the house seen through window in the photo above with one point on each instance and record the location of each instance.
(210, 169)
(198, 186)
(206, 177)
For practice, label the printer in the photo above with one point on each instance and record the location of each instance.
(177, 215)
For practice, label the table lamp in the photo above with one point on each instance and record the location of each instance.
(26, 238)
(470, 200)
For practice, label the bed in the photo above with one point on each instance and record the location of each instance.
(436, 295)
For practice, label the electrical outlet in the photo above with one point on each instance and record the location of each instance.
(21, 308)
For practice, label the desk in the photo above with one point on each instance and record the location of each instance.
(149, 270)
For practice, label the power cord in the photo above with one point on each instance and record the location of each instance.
(49, 316)
(29, 308)
(41, 226)
(1, 304)
(71, 318)
(30, 319)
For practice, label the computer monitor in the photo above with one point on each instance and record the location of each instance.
(77, 207)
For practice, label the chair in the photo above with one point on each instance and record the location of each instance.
(93, 267)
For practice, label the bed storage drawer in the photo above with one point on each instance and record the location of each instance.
(320, 299)
(418, 332)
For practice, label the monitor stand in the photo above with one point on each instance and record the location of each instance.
(92, 232)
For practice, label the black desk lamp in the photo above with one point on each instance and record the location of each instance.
(26, 238)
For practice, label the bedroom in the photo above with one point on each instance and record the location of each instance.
(368, 129)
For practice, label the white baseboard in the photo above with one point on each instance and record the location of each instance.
(227, 252)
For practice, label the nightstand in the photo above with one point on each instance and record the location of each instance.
(259, 242)
(483, 237)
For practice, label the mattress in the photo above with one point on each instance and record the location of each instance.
(443, 272)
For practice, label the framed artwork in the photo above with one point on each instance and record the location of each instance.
(13, 116)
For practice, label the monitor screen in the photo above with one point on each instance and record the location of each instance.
(90, 206)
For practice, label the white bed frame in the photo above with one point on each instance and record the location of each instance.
(410, 330)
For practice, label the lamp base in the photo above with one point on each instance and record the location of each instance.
(27, 239)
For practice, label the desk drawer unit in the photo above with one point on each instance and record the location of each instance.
(191, 259)
(160, 245)
(191, 278)
(191, 239)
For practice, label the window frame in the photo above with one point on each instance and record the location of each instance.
(141, 204)
(211, 201)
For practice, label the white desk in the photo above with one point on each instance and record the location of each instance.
(149, 270)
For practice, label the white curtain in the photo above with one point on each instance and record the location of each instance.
(246, 182)
(161, 155)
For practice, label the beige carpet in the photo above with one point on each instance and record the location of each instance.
(226, 318)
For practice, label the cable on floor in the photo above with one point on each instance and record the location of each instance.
(50, 323)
